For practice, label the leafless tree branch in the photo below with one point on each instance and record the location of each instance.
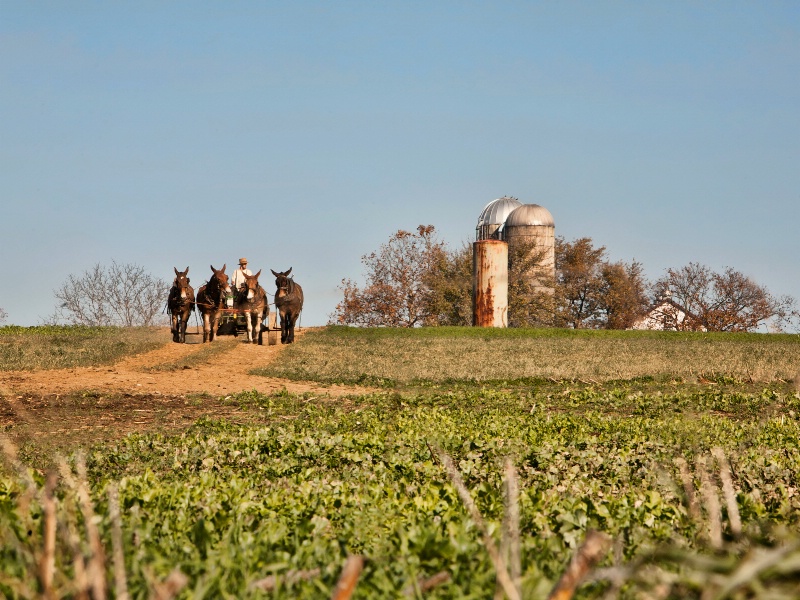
(119, 295)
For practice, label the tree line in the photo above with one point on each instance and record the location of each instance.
(416, 280)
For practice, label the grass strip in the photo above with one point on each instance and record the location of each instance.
(57, 347)
(391, 357)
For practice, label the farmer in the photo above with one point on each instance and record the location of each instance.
(238, 278)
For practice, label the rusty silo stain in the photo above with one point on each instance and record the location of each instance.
(490, 283)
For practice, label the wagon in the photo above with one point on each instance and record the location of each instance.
(233, 323)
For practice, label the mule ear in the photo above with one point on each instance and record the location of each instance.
(257, 274)
(212, 268)
(289, 271)
(222, 270)
(176, 270)
(187, 271)
(274, 273)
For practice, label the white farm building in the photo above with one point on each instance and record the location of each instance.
(666, 315)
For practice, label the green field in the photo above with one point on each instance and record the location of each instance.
(629, 434)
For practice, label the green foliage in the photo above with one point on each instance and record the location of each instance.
(316, 478)
(230, 504)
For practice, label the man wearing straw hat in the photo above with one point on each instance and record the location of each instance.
(238, 278)
(238, 281)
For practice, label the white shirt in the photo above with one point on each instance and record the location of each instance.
(238, 277)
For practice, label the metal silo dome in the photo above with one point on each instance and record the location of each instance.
(528, 215)
(493, 216)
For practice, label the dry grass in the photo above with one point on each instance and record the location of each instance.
(207, 353)
(49, 347)
(403, 356)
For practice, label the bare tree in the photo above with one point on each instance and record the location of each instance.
(727, 301)
(397, 292)
(3, 316)
(119, 294)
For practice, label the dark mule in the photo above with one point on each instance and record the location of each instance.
(180, 305)
(288, 302)
(211, 301)
(253, 304)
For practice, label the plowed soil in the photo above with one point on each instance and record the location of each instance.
(164, 390)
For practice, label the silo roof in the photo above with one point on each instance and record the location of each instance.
(530, 214)
(496, 211)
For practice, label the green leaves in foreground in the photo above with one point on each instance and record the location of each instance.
(231, 506)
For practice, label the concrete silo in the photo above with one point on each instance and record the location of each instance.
(490, 283)
(533, 224)
(493, 216)
(490, 265)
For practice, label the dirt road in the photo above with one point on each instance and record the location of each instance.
(174, 369)
(164, 390)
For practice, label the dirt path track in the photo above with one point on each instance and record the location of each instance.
(220, 368)
(165, 390)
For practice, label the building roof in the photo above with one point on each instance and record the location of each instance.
(666, 314)
(530, 214)
(496, 211)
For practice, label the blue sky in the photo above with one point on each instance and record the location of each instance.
(303, 134)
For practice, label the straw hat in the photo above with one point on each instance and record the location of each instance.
(242, 261)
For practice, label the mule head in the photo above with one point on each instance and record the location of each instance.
(283, 284)
(251, 284)
(221, 279)
(182, 281)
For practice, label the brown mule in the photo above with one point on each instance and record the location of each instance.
(253, 304)
(288, 303)
(211, 301)
(180, 305)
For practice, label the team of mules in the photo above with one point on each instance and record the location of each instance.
(251, 302)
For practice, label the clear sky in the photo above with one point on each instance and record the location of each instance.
(303, 134)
